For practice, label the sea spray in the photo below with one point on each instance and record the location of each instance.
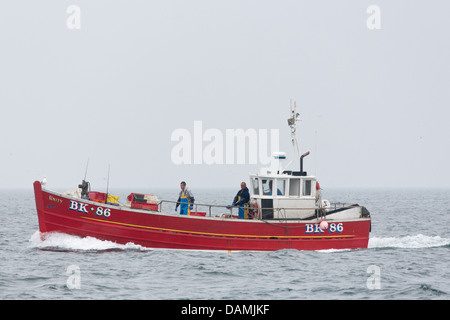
(409, 242)
(66, 242)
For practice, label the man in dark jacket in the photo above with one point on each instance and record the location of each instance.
(241, 200)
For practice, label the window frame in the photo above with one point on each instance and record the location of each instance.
(304, 188)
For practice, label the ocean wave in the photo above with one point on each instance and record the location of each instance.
(65, 242)
(409, 242)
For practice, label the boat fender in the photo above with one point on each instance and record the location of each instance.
(323, 225)
(317, 191)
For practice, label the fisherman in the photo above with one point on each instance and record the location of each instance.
(241, 200)
(186, 199)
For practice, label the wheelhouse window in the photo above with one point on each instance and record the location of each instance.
(281, 187)
(294, 187)
(267, 185)
(255, 184)
(306, 190)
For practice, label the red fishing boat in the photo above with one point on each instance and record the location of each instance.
(293, 216)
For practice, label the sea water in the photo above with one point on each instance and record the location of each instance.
(407, 258)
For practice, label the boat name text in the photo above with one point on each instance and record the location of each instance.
(83, 207)
(51, 198)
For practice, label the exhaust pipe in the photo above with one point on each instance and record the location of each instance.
(301, 163)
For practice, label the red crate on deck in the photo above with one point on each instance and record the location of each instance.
(101, 197)
(143, 205)
(141, 197)
(198, 213)
(143, 201)
(97, 196)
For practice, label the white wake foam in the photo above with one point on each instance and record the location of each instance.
(63, 241)
(412, 242)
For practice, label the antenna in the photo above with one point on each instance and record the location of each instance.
(87, 166)
(107, 184)
(315, 153)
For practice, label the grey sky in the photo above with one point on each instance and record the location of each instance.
(374, 104)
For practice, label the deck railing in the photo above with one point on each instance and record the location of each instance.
(197, 205)
(216, 208)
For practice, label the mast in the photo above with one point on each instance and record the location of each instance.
(292, 122)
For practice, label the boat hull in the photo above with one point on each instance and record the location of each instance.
(61, 213)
